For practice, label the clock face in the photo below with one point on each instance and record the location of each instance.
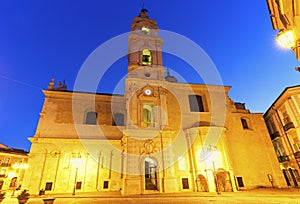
(148, 92)
(145, 30)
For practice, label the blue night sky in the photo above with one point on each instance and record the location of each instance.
(44, 39)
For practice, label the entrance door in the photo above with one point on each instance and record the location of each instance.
(293, 177)
(150, 174)
(286, 177)
(1, 184)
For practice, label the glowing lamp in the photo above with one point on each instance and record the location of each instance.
(285, 38)
(19, 166)
(11, 175)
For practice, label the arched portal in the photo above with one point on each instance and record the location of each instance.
(223, 180)
(202, 183)
(150, 174)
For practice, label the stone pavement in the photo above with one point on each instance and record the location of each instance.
(255, 196)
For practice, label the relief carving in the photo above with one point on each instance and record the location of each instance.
(149, 147)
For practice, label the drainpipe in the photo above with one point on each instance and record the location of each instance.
(98, 171)
(161, 145)
(190, 151)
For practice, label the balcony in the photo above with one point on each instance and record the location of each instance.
(274, 135)
(283, 159)
(297, 155)
(288, 126)
(5, 165)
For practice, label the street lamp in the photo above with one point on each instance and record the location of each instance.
(289, 39)
(76, 162)
(286, 39)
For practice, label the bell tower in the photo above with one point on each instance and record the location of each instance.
(145, 72)
(147, 127)
(145, 49)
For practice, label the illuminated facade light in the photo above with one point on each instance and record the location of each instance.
(19, 166)
(11, 175)
(286, 39)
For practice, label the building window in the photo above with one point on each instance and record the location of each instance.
(293, 177)
(279, 148)
(48, 186)
(118, 119)
(240, 181)
(297, 174)
(146, 57)
(6, 162)
(185, 183)
(105, 185)
(270, 126)
(2, 172)
(148, 115)
(244, 123)
(286, 118)
(297, 146)
(286, 177)
(91, 118)
(78, 185)
(196, 103)
(13, 182)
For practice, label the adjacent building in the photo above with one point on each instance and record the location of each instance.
(283, 122)
(160, 136)
(13, 164)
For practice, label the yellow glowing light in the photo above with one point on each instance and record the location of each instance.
(15, 166)
(19, 166)
(24, 166)
(286, 38)
(11, 175)
(76, 162)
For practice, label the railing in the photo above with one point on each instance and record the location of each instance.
(274, 135)
(283, 158)
(5, 165)
(148, 124)
(288, 126)
(297, 155)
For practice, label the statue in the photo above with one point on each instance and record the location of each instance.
(60, 86)
(51, 84)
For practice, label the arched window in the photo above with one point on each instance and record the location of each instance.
(13, 182)
(91, 118)
(146, 57)
(148, 115)
(196, 103)
(150, 174)
(118, 119)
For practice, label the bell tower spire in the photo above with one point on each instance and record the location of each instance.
(144, 45)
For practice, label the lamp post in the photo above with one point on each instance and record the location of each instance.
(76, 162)
(75, 181)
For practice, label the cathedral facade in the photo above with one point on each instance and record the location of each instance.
(160, 136)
